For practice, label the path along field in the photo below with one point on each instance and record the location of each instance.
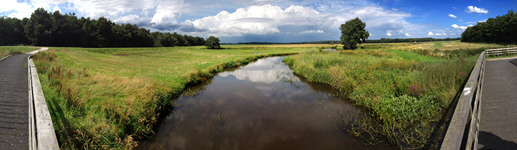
(111, 97)
(8, 50)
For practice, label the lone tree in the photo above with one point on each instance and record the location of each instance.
(212, 43)
(352, 32)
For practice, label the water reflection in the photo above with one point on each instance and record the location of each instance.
(330, 50)
(259, 106)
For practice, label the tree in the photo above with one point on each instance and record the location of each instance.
(353, 33)
(212, 43)
(500, 29)
(38, 28)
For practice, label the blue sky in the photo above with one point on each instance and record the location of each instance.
(281, 20)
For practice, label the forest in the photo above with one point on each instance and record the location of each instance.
(500, 30)
(67, 30)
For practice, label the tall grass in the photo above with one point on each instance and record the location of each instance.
(405, 95)
(95, 106)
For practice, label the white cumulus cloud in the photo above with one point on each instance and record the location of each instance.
(455, 26)
(312, 31)
(407, 34)
(444, 34)
(474, 9)
(430, 33)
(452, 16)
(134, 19)
(438, 34)
(264, 19)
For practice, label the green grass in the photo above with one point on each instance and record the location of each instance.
(102, 98)
(8, 50)
(438, 44)
(406, 55)
(404, 91)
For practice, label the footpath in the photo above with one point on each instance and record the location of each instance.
(14, 102)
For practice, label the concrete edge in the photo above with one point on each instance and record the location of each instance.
(41, 122)
(6, 57)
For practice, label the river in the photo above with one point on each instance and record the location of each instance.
(262, 105)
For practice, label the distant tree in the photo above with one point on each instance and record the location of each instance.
(56, 29)
(353, 33)
(12, 31)
(501, 29)
(38, 28)
(212, 43)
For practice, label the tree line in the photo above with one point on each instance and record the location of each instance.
(55, 29)
(501, 29)
(382, 40)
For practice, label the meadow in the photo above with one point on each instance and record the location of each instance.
(103, 98)
(406, 87)
(9, 50)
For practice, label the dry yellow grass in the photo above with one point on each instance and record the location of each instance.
(456, 45)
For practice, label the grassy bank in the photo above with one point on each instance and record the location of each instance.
(103, 98)
(9, 50)
(406, 92)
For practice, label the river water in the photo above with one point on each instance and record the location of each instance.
(262, 105)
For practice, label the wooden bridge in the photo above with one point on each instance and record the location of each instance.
(25, 121)
(485, 116)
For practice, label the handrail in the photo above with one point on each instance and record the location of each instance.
(467, 112)
(41, 130)
(501, 51)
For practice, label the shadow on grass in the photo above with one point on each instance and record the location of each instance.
(61, 124)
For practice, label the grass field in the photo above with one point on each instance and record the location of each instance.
(8, 50)
(102, 98)
(406, 88)
(109, 97)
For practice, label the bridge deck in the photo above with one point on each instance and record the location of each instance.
(14, 107)
(498, 125)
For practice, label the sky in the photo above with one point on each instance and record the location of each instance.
(235, 21)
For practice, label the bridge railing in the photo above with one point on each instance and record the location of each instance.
(464, 126)
(463, 129)
(41, 130)
(501, 51)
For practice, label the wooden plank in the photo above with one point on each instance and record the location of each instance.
(45, 136)
(480, 98)
(32, 133)
(454, 134)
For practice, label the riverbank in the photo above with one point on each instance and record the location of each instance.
(406, 93)
(111, 97)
